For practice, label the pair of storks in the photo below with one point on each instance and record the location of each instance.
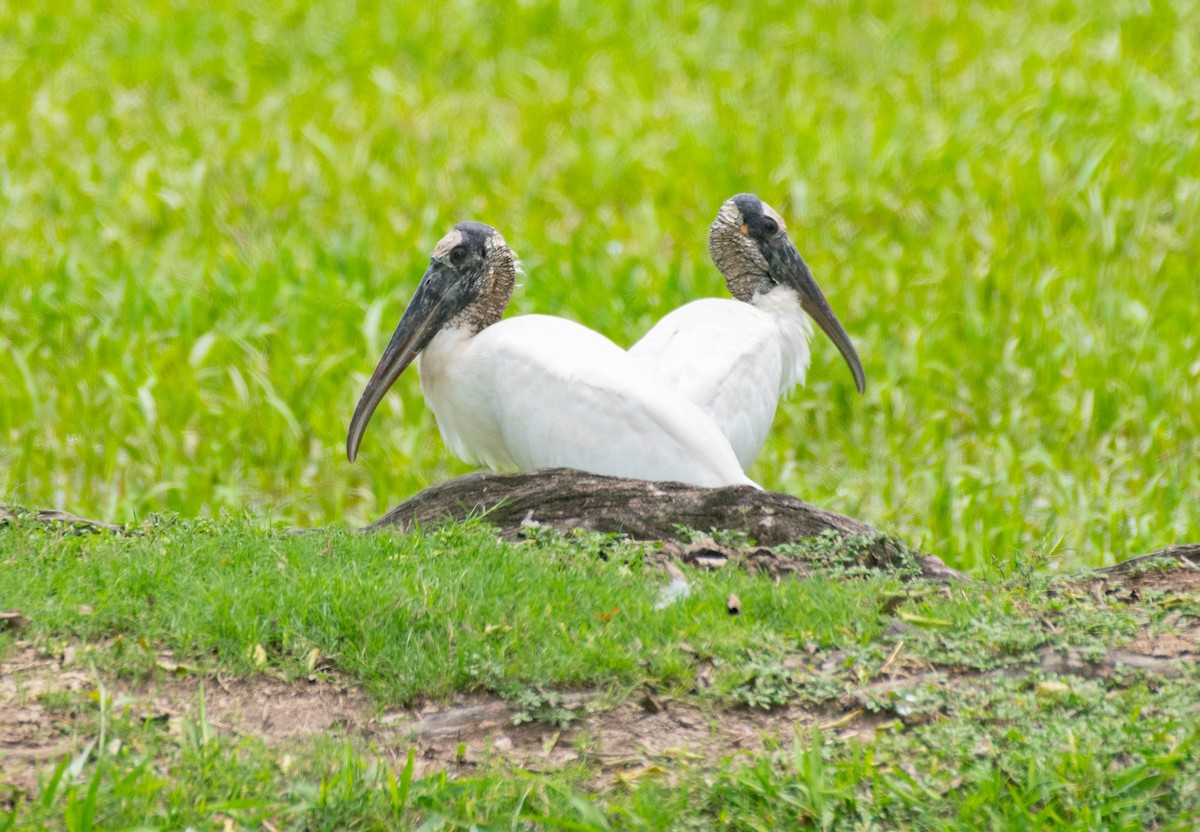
(691, 402)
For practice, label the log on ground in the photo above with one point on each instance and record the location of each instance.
(567, 499)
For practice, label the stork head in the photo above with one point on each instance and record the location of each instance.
(750, 245)
(467, 285)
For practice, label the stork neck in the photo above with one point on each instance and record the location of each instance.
(495, 291)
(782, 305)
(739, 261)
(440, 353)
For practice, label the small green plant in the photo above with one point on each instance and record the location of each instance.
(853, 555)
(819, 689)
(576, 542)
(1155, 564)
(60, 701)
(722, 537)
(547, 707)
(765, 685)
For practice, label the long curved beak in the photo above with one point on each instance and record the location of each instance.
(789, 268)
(427, 312)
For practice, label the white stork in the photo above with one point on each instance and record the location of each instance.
(536, 391)
(735, 358)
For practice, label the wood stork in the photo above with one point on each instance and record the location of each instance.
(735, 358)
(536, 391)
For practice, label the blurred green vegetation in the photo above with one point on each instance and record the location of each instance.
(211, 215)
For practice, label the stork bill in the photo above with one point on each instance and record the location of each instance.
(536, 391)
(736, 357)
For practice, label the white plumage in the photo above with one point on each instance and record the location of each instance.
(536, 391)
(735, 358)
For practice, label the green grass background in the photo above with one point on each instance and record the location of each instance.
(212, 214)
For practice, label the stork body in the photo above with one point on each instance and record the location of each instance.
(536, 391)
(736, 357)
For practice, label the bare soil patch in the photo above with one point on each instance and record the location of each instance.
(46, 701)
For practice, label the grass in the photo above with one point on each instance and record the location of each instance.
(150, 780)
(413, 616)
(405, 616)
(212, 213)
(421, 616)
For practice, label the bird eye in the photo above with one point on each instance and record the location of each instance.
(770, 226)
(458, 255)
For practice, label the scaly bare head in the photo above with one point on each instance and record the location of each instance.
(750, 245)
(468, 284)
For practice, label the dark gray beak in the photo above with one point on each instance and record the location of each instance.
(788, 268)
(427, 312)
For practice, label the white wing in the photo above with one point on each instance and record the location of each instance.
(726, 357)
(536, 391)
